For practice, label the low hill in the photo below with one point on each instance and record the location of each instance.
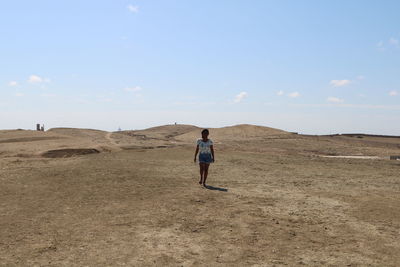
(163, 132)
(28, 143)
(60, 142)
(75, 141)
(236, 132)
(23, 136)
(77, 132)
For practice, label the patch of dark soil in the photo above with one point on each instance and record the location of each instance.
(69, 152)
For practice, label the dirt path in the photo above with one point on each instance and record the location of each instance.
(110, 139)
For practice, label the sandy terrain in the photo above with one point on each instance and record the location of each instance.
(79, 197)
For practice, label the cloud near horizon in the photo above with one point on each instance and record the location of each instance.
(294, 94)
(133, 89)
(333, 99)
(393, 93)
(12, 83)
(343, 105)
(340, 83)
(239, 97)
(37, 79)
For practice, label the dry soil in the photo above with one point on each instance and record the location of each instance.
(78, 197)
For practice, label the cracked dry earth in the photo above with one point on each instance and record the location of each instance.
(145, 208)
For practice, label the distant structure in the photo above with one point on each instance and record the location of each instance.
(175, 123)
(39, 128)
(119, 129)
(395, 157)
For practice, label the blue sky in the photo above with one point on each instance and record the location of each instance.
(314, 67)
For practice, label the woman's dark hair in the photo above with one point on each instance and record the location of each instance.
(205, 131)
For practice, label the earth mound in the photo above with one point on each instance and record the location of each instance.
(29, 139)
(77, 132)
(235, 133)
(21, 136)
(164, 132)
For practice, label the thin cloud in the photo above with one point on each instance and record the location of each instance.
(333, 99)
(133, 9)
(192, 103)
(19, 94)
(393, 93)
(340, 83)
(341, 105)
(48, 95)
(394, 42)
(239, 97)
(280, 93)
(294, 94)
(13, 83)
(133, 89)
(38, 79)
(35, 79)
(104, 99)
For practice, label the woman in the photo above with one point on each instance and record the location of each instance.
(206, 155)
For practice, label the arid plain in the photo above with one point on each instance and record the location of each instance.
(78, 197)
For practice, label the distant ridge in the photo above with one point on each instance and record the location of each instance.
(236, 132)
(78, 132)
(163, 131)
(365, 135)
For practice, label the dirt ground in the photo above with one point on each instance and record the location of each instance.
(272, 200)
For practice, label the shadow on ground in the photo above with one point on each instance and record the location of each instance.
(209, 187)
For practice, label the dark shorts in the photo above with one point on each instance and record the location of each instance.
(205, 158)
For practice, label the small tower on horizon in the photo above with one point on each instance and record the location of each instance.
(39, 128)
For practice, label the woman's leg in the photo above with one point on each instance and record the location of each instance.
(201, 172)
(205, 174)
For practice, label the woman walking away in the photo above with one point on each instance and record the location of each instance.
(206, 155)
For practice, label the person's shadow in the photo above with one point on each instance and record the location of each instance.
(210, 187)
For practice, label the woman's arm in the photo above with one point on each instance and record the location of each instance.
(195, 153)
(212, 152)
